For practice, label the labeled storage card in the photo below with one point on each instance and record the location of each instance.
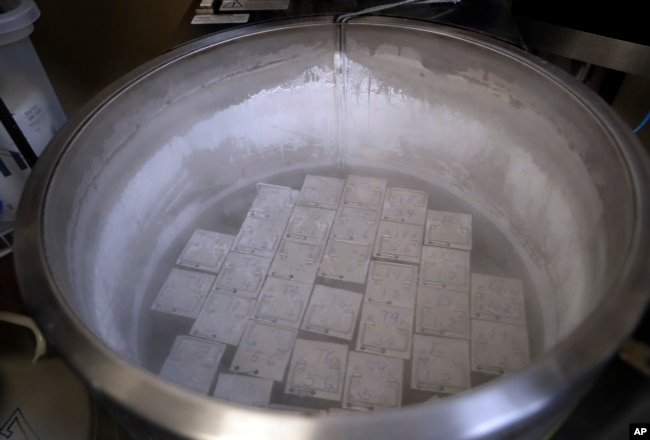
(373, 382)
(498, 299)
(445, 268)
(247, 390)
(317, 369)
(448, 229)
(193, 362)
(498, 348)
(321, 192)
(223, 318)
(264, 350)
(282, 302)
(405, 206)
(440, 364)
(332, 312)
(386, 330)
(442, 312)
(242, 274)
(392, 284)
(206, 250)
(183, 293)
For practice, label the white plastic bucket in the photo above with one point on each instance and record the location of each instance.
(26, 91)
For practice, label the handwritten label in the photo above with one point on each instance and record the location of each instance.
(332, 312)
(449, 229)
(392, 284)
(356, 224)
(317, 369)
(311, 225)
(399, 242)
(206, 250)
(259, 237)
(247, 390)
(386, 330)
(273, 203)
(183, 293)
(440, 364)
(373, 382)
(193, 362)
(242, 274)
(223, 318)
(364, 191)
(321, 191)
(442, 312)
(445, 268)
(282, 302)
(405, 206)
(264, 351)
(345, 261)
(498, 348)
(498, 299)
(297, 261)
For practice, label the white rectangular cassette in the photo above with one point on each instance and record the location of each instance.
(364, 192)
(183, 293)
(442, 312)
(498, 348)
(405, 206)
(282, 302)
(273, 203)
(398, 242)
(297, 261)
(193, 363)
(332, 312)
(317, 369)
(321, 192)
(206, 250)
(373, 382)
(247, 390)
(242, 274)
(259, 237)
(357, 225)
(223, 318)
(345, 261)
(386, 330)
(440, 364)
(448, 229)
(445, 268)
(498, 299)
(392, 284)
(311, 225)
(264, 351)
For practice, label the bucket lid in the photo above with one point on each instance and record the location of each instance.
(17, 14)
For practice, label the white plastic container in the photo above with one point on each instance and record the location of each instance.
(28, 94)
